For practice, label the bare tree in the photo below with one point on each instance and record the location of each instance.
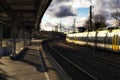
(116, 15)
(99, 22)
(87, 25)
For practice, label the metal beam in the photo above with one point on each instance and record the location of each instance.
(41, 12)
(37, 3)
(24, 11)
(25, 22)
(23, 7)
(18, 3)
(8, 10)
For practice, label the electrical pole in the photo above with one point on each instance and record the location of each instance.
(56, 28)
(91, 28)
(68, 30)
(60, 27)
(74, 24)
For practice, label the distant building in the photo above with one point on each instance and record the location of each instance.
(81, 29)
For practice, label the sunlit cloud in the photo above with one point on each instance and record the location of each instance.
(106, 7)
(81, 3)
(64, 11)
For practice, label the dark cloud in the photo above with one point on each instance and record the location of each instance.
(115, 4)
(59, 1)
(61, 8)
(51, 9)
(65, 11)
(106, 7)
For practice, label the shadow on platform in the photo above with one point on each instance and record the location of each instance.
(3, 75)
(2, 63)
(31, 57)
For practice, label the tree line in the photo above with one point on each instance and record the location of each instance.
(99, 21)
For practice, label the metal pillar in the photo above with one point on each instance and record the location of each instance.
(13, 36)
(23, 36)
(1, 34)
(29, 38)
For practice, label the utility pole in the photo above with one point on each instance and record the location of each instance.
(68, 30)
(91, 28)
(60, 27)
(74, 24)
(56, 28)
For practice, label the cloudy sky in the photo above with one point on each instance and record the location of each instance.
(64, 12)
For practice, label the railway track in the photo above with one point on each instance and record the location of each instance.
(74, 71)
(108, 56)
(102, 67)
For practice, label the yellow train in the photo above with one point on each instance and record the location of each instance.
(107, 39)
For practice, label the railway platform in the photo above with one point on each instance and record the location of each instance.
(33, 64)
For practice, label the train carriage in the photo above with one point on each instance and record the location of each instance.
(106, 39)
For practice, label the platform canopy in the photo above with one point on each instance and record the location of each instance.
(23, 13)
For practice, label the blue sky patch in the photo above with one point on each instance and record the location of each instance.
(83, 12)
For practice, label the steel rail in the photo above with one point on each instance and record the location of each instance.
(70, 62)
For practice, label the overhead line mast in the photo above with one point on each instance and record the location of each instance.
(91, 28)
